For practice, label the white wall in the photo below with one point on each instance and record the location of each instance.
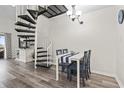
(98, 33)
(42, 28)
(7, 21)
(7, 26)
(120, 55)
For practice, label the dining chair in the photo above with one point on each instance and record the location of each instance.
(72, 69)
(87, 65)
(62, 63)
(65, 63)
(89, 56)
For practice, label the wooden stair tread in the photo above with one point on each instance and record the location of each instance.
(43, 56)
(23, 30)
(40, 48)
(26, 36)
(41, 51)
(41, 10)
(42, 60)
(27, 18)
(24, 25)
(31, 40)
(33, 13)
(44, 65)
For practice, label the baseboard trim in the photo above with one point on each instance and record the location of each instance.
(103, 73)
(119, 82)
(111, 75)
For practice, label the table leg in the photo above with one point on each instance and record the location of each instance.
(78, 74)
(57, 70)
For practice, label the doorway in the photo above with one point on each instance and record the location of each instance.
(2, 47)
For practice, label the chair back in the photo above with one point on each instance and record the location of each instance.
(89, 54)
(83, 60)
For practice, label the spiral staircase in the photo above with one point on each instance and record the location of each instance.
(26, 26)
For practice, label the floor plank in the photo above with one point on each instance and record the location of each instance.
(15, 74)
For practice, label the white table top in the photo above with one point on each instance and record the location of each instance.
(76, 57)
(58, 56)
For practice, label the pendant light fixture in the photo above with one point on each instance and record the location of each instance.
(74, 14)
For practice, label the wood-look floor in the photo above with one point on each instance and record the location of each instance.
(15, 74)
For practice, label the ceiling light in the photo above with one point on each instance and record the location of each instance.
(73, 14)
(78, 13)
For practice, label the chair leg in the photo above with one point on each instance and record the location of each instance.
(83, 81)
(67, 75)
(88, 74)
(63, 68)
(89, 70)
(70, 78)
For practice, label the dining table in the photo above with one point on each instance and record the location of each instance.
(57, 64)
(77, 58)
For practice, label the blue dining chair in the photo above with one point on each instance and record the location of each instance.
(62, 63)
(89, 56)
(66, 63)
(72, 68)
(88, 70)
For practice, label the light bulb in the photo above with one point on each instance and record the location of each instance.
(78, 13)
(72, 16)
(69, 13)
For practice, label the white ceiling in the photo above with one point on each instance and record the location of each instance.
(8, 11)
(88, 8)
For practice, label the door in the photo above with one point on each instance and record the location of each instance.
(2, 46)
(8, 45)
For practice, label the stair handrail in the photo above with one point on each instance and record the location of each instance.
(49, 47)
